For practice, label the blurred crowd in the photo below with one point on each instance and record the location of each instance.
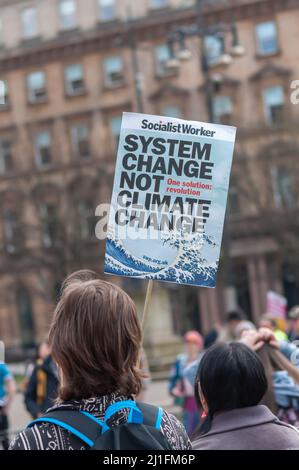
(280, 361)
(236, 365)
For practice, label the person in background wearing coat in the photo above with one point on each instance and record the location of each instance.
(230, 384)
(270, 321)
(228, 331)
(293, 317)
(179, 388)
(7, 392)
(43, 384)
(42, 352)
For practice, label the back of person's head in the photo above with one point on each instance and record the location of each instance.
(83, 275)
(230, 376)
(195, 338)
(235, 316)
(95, 339)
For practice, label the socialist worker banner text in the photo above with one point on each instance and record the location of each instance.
(169, 199)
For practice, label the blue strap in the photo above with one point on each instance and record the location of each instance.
(159, 418)
(135, 415)
(65, 426)
(80, 423)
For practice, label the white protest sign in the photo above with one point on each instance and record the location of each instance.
(276, 304)
(169, 199)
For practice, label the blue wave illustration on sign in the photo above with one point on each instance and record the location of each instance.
(188, 268)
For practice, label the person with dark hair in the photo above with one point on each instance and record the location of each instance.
(42, 386)
(42, 351)
(230, 384)
(233, 319)
(95, 339)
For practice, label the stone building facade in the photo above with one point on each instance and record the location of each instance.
(69, 70)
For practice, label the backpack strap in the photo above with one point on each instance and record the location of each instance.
(88, 428)
(135, 415)
(152, 415)
(83, 425)
(149, 415)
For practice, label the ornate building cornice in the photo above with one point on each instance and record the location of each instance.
(270, 70)
(151, 27)
(168, 89)
(221, 79)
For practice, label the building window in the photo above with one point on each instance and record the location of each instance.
(36, 86)
(222, 107)
(74, 80)
(107, 9)
(115, 125)
(50, 224)
(6, 159)
(68, 14)
(114, 71)
(159, 3)
(172, 111)
(43, 149)
(87, 219)
(282, 182)
(3, 94)
(266, 34)
(29, 21)
(274, 104)
(12, 232)
(162, 56)
(80, 140)
(213, 49)
(25, 313)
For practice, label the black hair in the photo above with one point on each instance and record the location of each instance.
(235, 315)
(231, 376)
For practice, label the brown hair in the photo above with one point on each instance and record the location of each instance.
(83, 275)
(274, 360)
(96, 338)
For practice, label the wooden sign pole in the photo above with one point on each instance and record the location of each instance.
(146, 303)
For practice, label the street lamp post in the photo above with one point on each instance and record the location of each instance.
(132, 42)
(176, 40)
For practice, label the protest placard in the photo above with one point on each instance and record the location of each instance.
(276, 305)
(169, 199)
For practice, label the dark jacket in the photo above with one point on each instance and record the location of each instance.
(251, 428)
(42, 388)
(46, 436)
